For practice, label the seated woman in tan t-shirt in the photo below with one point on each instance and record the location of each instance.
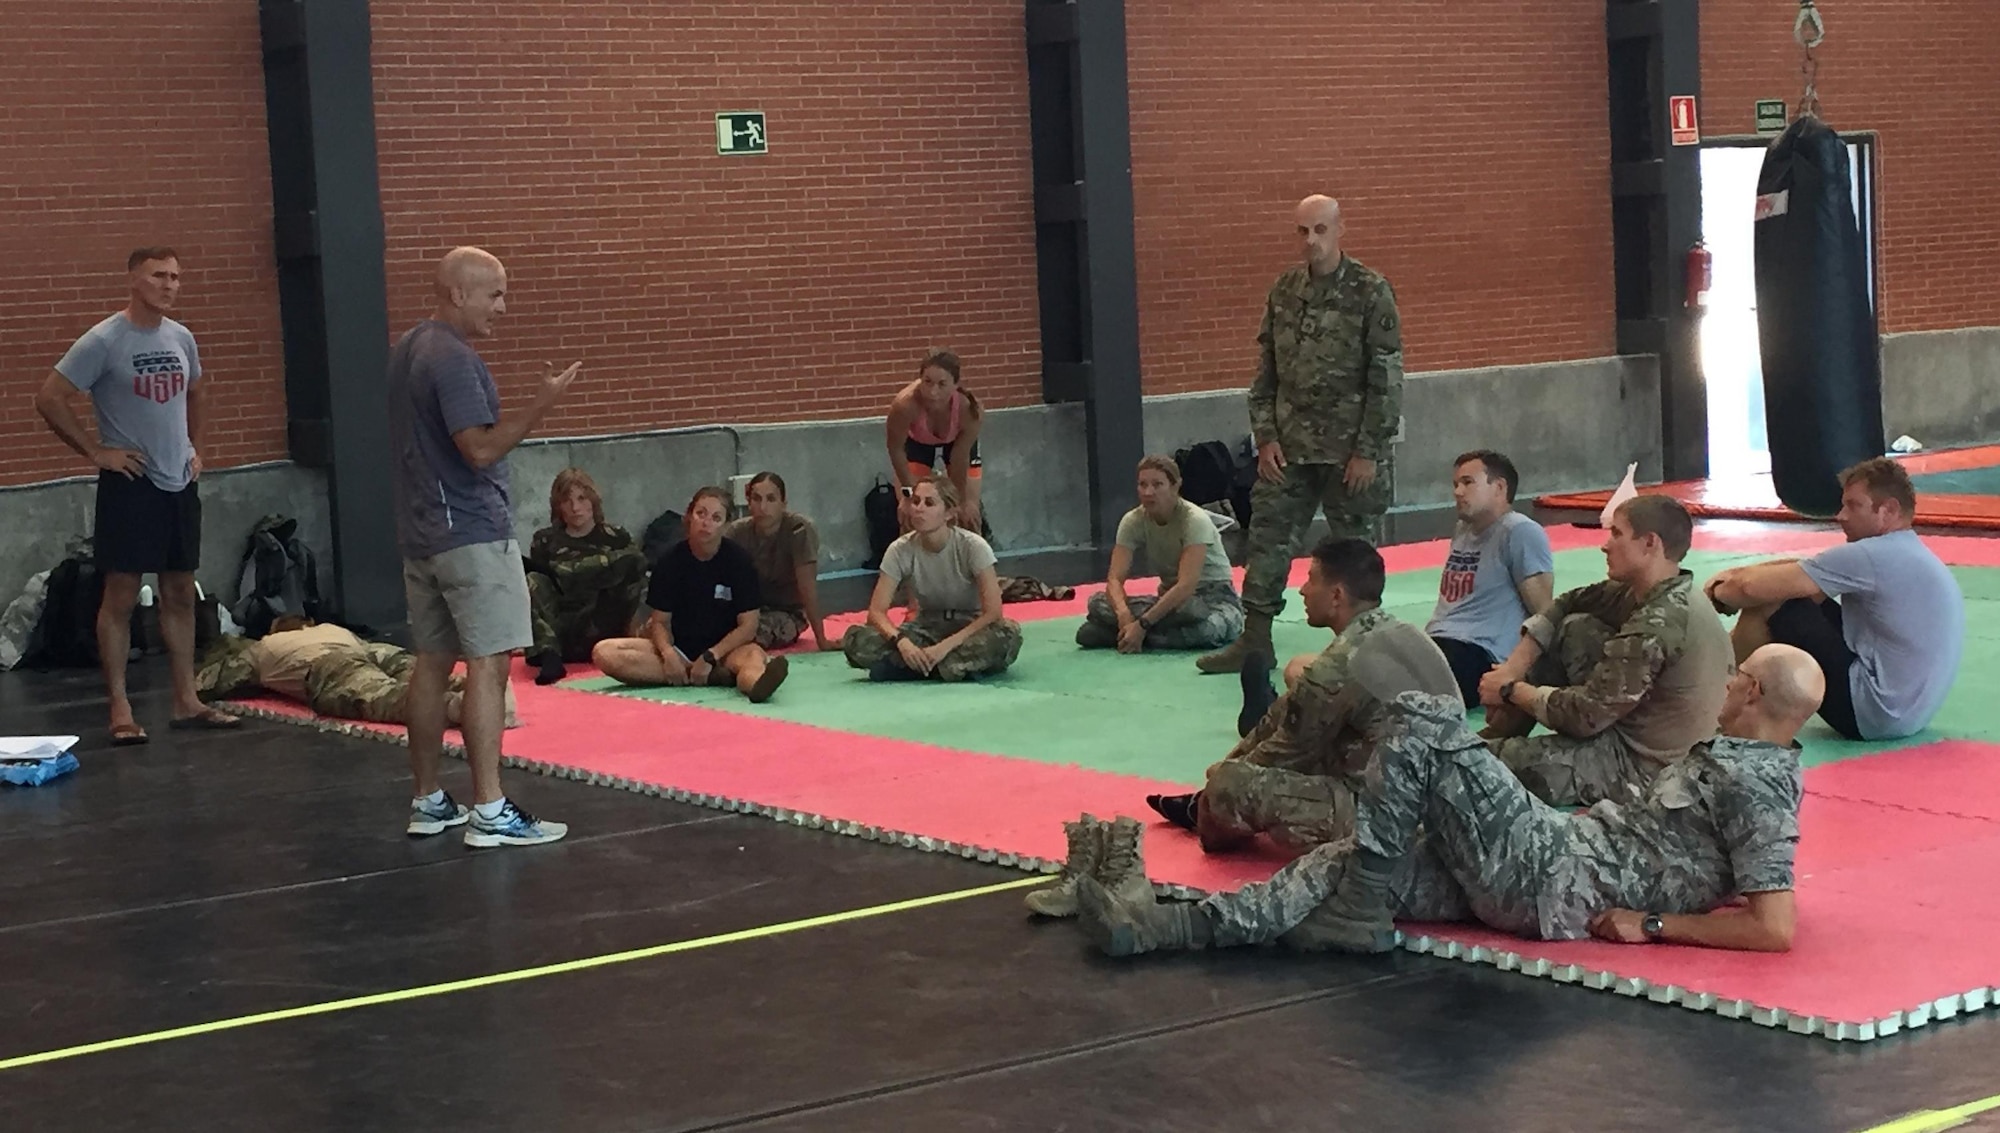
(956, 629)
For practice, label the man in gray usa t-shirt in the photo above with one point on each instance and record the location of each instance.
(1882, 615)
(144, 379)
(1499, 572)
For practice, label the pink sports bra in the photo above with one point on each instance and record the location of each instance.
(920, 429)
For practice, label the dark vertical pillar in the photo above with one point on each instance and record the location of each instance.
(1080, 132)
(332, 292)
(1655, 53)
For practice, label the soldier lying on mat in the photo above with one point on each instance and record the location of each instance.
(705, 597)
(1294, 777)
(1448, 833)
(1628, 672)
(331, 670)
(1197, 606)
(956, 629)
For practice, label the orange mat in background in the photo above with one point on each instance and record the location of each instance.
(1753, 497)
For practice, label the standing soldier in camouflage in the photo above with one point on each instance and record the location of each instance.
(1323, 409)
(586, 578)
(1719, 824)
(1628, 672)
(1294, 777)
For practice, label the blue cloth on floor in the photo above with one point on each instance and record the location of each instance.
(35, 772)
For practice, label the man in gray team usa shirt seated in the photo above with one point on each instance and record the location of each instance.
(462, 574)
(1499, 573)
(144, 379)
(1882, 615)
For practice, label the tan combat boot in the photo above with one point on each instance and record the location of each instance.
(1121, 869)
(1086, 850)
(1256, 639)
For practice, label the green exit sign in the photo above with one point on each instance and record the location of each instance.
(1770, 115)
(740, 132)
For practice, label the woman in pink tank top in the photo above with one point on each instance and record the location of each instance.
(933, 425)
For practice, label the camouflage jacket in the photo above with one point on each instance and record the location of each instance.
(604, 557)
(1661, 678)
(1330, 376)
(1722, 822)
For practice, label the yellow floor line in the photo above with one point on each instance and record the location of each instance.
(515, 976)
(1937, 1120)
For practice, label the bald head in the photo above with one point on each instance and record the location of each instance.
(1775, 691)
(1318, 221)
(466, 267)
(471, 290)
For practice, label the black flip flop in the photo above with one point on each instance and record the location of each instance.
(128, 735)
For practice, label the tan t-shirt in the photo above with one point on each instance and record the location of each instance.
(1162, 543)
(283, 658)
(778, 555)
(947, 580)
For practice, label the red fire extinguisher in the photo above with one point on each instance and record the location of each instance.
(1700, 274)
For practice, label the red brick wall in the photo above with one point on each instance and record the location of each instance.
(131, 123)
(1468, 148)
(1921, 75)
(577, 142)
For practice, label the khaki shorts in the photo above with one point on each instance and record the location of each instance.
(469, 601)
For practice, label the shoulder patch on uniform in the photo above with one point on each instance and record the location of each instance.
(1388, 321)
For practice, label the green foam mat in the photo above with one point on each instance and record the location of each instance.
(1963, 482)
(1155, 716)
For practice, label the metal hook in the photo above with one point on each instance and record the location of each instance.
(1809, 17)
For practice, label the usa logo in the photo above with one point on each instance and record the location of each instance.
(159, 377)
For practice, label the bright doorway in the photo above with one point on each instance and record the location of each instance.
(1732, 369)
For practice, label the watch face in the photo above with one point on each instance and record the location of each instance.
(1653, 926)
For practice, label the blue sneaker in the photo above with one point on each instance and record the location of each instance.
(427, 818)
(514, 827)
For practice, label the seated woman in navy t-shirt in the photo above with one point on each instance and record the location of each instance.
(705, 597)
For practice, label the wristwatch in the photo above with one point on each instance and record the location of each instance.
(1507, 692)
(1654, 928)
(708, 655)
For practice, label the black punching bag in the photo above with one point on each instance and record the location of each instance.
(1822, 362)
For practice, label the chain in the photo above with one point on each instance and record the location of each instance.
(1809, 30)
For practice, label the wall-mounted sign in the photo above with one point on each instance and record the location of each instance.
(1686, 124)
(740, 132)
(1770, 115)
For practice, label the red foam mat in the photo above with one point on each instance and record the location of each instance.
(1889, 841)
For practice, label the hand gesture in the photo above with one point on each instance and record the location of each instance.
(123, 461)
(554, 384)
(698, 673)
(675, 669)
(1271, 463)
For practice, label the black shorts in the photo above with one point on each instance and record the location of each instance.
(936, 458)
(143, 530)
(1469, 663)
(1816, 628)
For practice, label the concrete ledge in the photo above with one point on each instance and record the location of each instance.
(39, 520)
(1942, 387)
(1569, 425)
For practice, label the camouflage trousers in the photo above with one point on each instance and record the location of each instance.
(1212, 617)
(1487, 851)
(587, 606)
(1281, 513)
(777, 628)
(1276, 782)
(1565, 770)
(990, 650)
(1021, 588)
(371, 683)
